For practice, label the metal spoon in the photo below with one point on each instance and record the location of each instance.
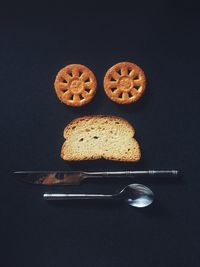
(136, 195)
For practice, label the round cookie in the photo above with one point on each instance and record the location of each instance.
(75, 85)
(124, 83)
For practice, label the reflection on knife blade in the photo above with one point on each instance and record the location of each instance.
(60, 178)
(50, 178)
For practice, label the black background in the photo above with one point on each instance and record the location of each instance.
(162, 38)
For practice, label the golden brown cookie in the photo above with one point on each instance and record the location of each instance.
(124, 83)
(75, 85)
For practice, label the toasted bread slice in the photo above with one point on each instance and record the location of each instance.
(96, 137)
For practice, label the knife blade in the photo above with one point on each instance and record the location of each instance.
(76, 177)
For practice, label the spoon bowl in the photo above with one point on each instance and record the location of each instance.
(137, 195)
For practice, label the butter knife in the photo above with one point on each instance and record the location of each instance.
(76, 177)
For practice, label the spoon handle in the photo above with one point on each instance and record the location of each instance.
(55, 196)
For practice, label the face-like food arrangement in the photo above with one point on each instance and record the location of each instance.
(96, 137)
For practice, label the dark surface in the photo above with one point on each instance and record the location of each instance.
(35, 44)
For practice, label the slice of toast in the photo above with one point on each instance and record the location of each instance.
(96, 137)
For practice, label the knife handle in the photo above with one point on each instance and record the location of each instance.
(55, 196)
(119, 174)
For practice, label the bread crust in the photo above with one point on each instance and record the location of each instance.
(88, 117)
(75, 85)
(76, 121)
(124, 83)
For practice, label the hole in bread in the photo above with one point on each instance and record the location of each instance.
(87, 90)
(64, 90)
(88, 80)
(87, 130)
(129, 94)
(73, 127)
(136, 87)
(80, 73)
(70, 73)
(111, 131)
(129, 71)
(64, 81)
(120, 95)
(113, 89)
(129, 149)
(119, 71)
(112, 79)
(81, 97)
(71, 97)
(116, 122)
(136, 77)
(81, 140)
(95, 137)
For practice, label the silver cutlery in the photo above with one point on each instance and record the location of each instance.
(136, 195)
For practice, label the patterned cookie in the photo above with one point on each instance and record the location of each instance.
(75, 85)
(124, 83)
